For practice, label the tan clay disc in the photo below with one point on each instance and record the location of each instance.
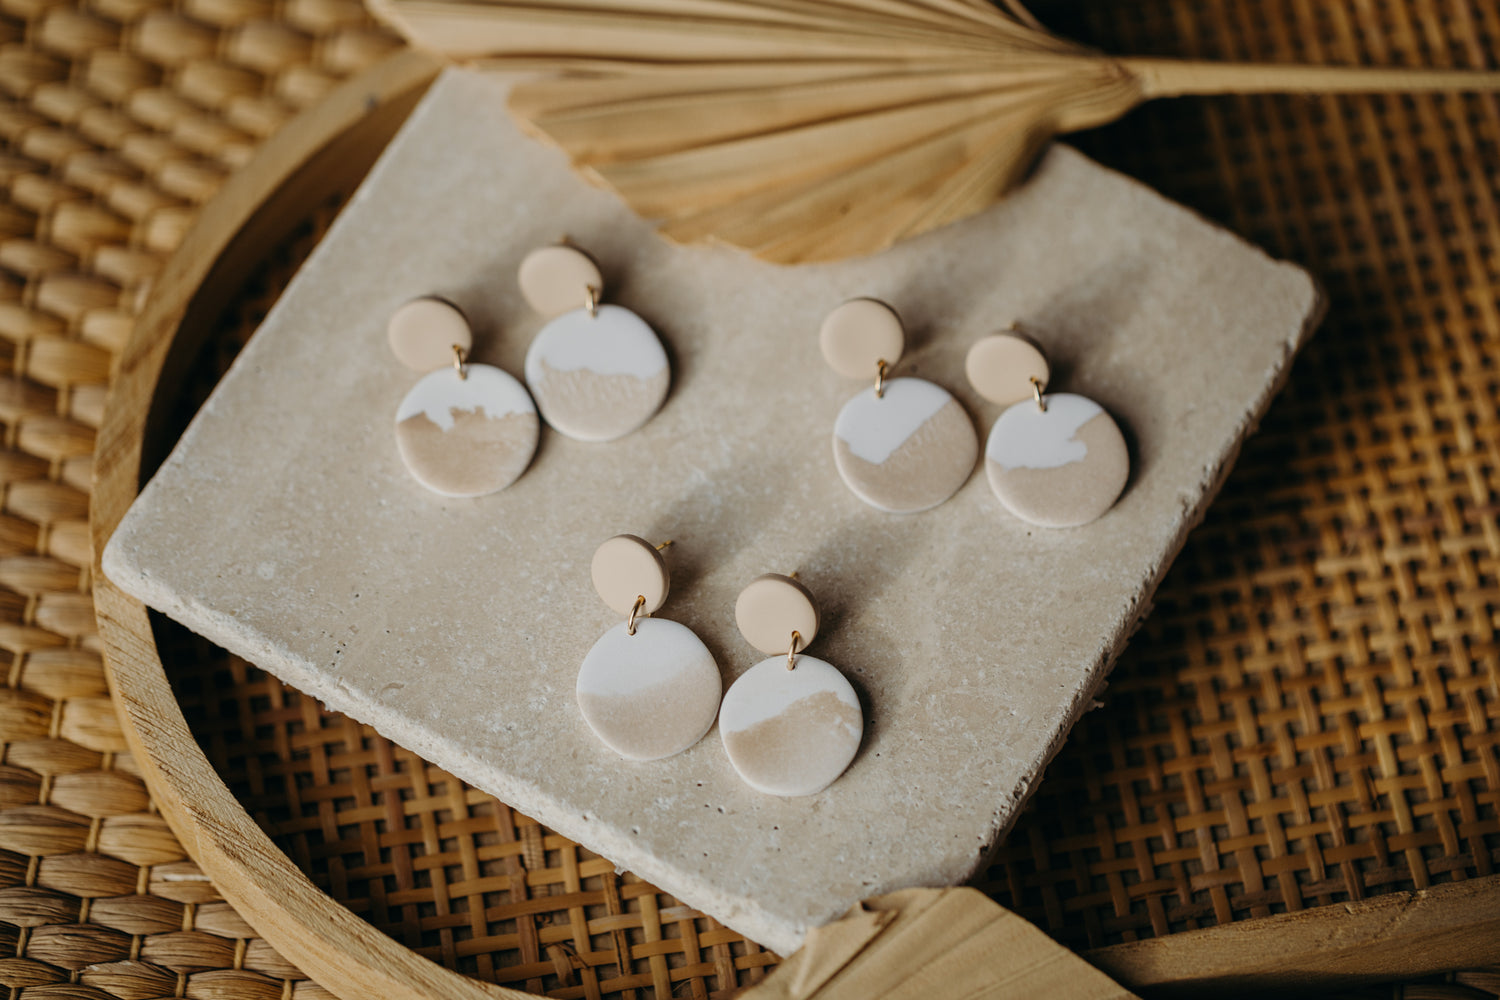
(423, 333)
(556, 279)
(771, 609)
(1001, 366)
(627, 568)
(860, 334)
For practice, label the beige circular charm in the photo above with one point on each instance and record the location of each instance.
(1001, 366)
(791, 732)
(771, 608)
(1059, 467)
(423, 333)
(557, 279)
(627, 568)
(860, 334)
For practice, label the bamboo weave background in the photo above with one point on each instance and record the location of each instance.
(1309, 716)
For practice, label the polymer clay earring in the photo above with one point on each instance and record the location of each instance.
(791, 724)
(1056, 460)
(648, 688)
(464, 430)
(597, 371)
(904, 445)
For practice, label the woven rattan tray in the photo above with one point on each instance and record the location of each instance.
(1307, 722)
(271, 891)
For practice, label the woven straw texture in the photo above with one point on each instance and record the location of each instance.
(1309, 716)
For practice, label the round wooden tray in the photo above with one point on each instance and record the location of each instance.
(321, 155)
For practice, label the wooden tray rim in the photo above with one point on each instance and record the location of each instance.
(1390, 936)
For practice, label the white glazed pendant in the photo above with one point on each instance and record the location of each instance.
(790, 724)
(1059, 464)
(648, 688)
(597, 375)
(906, 450)
(469, 434)
(652, 694)
(791, 732)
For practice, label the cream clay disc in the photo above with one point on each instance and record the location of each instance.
(465, 437)
(860, 334)
(556, 279)
(424, 332)
(627, 569)
(1057, 468)
(1001, 367)
(791, 732)
(771, 608)
(599, 376)
(652, 694)
(906, 451)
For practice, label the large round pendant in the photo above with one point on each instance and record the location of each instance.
(597, 376)
(791, 732)
(652, 694)
(467, 436)
(907, 450)
(1057, 467)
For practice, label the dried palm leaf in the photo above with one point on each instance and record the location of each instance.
(817, 129)
(933, 944)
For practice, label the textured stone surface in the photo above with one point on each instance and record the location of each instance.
(285, 528)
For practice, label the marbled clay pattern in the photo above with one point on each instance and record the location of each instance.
(791, 732)
(478, 454)
(1057, 468)
(469, 435)
(906, 451)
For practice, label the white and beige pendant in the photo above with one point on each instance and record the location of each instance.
(464, 430)
(905, 444)
(597, 371)
(649, 688)
(1056, 460)
(790, 724)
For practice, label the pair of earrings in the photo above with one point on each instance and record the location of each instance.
(649, 688)
(907, 445)
(596, 372)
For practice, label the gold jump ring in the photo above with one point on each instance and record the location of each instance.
(635, 610)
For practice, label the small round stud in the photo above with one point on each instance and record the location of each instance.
(1002, 367)
(424, 332)
(558, 279)
(627, 568)
(860, 334)
(771, 608)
